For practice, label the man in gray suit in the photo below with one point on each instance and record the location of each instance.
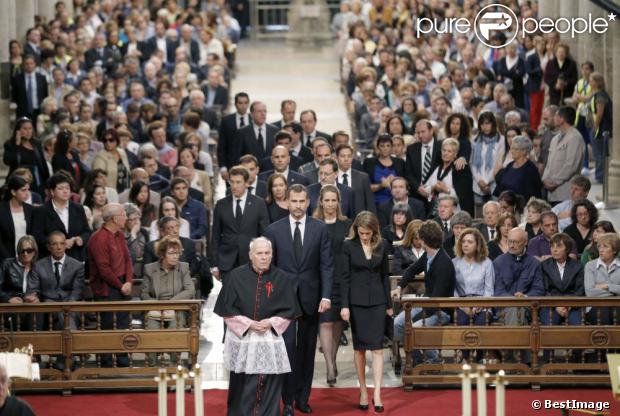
(57, 278)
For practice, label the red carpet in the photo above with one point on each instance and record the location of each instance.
(332, 402)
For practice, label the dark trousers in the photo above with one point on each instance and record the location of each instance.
(254, 394)
(548, 316)
(300, 339)
(107, 322)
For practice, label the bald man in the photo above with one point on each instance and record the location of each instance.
(110, 271)
(280, 159)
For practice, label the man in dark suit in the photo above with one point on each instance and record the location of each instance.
(100, 54)
(400, 191)
(283, 138)
(287, 109)
(33, 44)
(446, 208)
(297, 148)
(302, 250)
(161, 42)
(256, 186)
(307, 119)
(237, 219)
(257, 139)
(57, 278)
(192, 49)
(490, 213)
(321, 150)
(215, 93)
(422, 157)
(280, 159)
(28, 89)
(356, 180)
(328, 172)
(228, 142)
(341, 137)
(61, 214)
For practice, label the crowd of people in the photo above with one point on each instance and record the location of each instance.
(467, 164)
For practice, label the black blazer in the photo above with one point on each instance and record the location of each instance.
(365, 282)
(439, 281)
(482, 227)
(249, 141)
(7, 228)
(347, 199)
(403, 258)
(294, 164)
(413, 165)
(364, 198)
(229, 240)
(463, 182)
(62, 162)
(384, 212)
(221, 96)
(313, 273)
(108, 59)
(46, 220)
(18, 157)
(20, 97)
(317, 134)
(305, 154)
(292, 178)
(571, 284)
(151, 47)
(371, 162)
(229, 144)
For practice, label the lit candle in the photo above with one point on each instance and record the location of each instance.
(198, 404)
(180, 378)
(500, 394)
(162, 386)
(481, 387)
(466, 390)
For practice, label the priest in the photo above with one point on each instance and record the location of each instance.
(257, 302)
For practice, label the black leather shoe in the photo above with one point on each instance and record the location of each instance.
(303, 407)
(378, 409)
(288, 410)
(343, 339)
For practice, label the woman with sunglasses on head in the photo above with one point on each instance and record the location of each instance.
(114, 161)
(24, 150)
(15, 215)
(16, 272)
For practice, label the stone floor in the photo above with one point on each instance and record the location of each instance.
(271, 72)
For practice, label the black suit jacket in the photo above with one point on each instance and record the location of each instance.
(29, 50)
(365, 282)
(151, 47)
(221, 96)
(364, 198)
(265, 163)
(47, 220)
(7, 228)
(109, 58)
(249, 141)
(194, 51)
(347, 199)
(316, 134)
(482, 227)
(571, 284)
(439, 281)
(305, 154)
(292, 178)
(20, 97)
(313, 273)
(230, 241)
(229, 144)
(62, 162)
(384, 211)
(413, 165)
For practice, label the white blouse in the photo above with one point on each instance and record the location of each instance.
(19, 222)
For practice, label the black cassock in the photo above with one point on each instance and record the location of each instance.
(257, 362)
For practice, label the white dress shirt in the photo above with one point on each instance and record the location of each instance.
(61, 266)
(243, 199)
(349, 177)
(561, 268)
(63, 213)
(162, 46)
(302, 226)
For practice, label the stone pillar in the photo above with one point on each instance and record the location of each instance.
(613, 176)
(7, 32)
(24, 16)
(584, 50)
(46, 8)
(548, 8)
(569, 9)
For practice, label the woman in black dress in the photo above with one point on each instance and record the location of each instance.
(67, 158)
(583, 215)
(366, 299)
(331, 324)
(499, 245)
(15, 215)
(277, 206)
(400, 218)
(23, 150)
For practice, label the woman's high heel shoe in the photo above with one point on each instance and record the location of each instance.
(378, 409)
(362, 406)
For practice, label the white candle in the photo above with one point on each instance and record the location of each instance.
(198, 403)
(466, 391)
(500, 394)
(180, 396)
(162, 386)
(481, 387)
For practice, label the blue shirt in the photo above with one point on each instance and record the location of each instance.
(429, 262)
(196, 214)
(473, 279)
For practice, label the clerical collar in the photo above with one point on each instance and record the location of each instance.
(258, 272)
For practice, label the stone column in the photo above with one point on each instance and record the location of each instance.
(569, 9)
(24, 16)
(585, 42)
(46, 8)
(613, 176)
(548, 8)
(7, 32)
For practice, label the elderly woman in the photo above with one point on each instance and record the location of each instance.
(408, 250)
(591, 250)
(533, 221)
(113, 160)
(166, 279)
(447, 180)
(583, 216)
(136, 236)
(602, 277)
(521, 175)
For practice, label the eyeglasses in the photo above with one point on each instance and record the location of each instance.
(109, 140)
(27, 251)
(172, 253)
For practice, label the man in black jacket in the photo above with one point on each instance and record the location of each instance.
(422, 157)
(400, 191)
(29, 89)
(228, 145)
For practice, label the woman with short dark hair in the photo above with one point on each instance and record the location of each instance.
(583, 216)
(591, 250)
(66, 157)
(15, 215)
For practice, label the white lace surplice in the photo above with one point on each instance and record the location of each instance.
(256, 353)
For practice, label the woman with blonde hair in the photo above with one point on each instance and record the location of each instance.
(330, 330)
(366, 299)
(408, 250)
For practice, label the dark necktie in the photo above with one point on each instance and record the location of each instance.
(446, 229)
(260, 139)
(250, 189)
(309, 140)
(238, 212)
(30, 102)
(492, 232)
(345, 179)
(427, 162)
(297, 242)
(241, 122)
(57, 272)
